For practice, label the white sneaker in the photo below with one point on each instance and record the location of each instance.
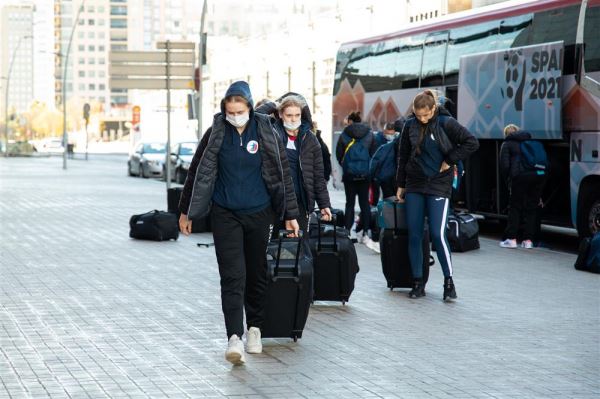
(508, 243)
(353, 235)
(372, 245)
(360, 238)
(527, 244)
(253, 341)
(235, 351)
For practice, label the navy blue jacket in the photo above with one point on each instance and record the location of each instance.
(454, 142)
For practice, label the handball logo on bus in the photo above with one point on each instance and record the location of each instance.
(515, 77)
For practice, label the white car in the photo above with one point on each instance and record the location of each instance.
(51, 146)
(147, 160)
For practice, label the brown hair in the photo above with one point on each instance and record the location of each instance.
(235, 99)
(425, 99)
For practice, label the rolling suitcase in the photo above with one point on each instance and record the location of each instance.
(373, 225)
(340, 216)
(335, 262)
(289, 287)
(395, 261)
(154, 225)
(200, 225)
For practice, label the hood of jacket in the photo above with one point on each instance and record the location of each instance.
(357, 130)
(306, 116)
(239, 88)
(519, 136)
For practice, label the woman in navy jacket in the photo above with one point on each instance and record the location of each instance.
(432, 142)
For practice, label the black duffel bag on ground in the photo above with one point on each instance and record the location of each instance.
(462, 231)
(155, 225)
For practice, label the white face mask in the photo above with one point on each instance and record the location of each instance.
(390, 137)
(292, 125)
(238, 120)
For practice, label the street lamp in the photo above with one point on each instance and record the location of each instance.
(64, 86)
(12, 61)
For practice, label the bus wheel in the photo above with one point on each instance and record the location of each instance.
(589, 213)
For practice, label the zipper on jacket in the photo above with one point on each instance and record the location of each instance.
(302, 171)
(280, 169)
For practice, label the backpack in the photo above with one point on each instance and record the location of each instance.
(383, 164)
(533, 157)
(356, 157)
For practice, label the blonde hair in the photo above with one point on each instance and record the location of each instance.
(510, 129)
(291, 101)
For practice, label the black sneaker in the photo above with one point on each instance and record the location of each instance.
(449, 289)
(418, 289)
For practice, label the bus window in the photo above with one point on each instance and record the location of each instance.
(590, 37)
(409, 62)
(357, 66)
(432, 71)
(381, 66)
(556, 25)
(515, 31)
(468, 40)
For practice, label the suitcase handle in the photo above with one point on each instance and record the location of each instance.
(334, 222)
(283, 236)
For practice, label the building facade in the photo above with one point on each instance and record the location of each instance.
(16, 56)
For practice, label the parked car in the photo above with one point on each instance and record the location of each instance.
(181, 157)
(147, 160)
(53, 145)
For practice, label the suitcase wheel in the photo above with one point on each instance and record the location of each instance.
(343, 303)
(295, 339)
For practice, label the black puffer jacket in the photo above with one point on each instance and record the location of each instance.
(311, 166)
(196, 198)
(356, 131)
(510, 155)
(455, 142)
(311, 155)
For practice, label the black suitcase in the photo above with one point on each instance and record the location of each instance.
(395, 261)
(155, 226)
(462, 231)
(340, 217)
(200, 225)
(373, 225)
(335, 262)
(289, 287)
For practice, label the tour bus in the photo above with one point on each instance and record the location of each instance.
(535, 64)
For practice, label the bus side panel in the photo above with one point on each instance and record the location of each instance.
(583, 164)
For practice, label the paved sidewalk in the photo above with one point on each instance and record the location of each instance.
(86, 312)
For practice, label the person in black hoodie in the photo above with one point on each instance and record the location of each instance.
(304, 156)
(431, 143)
(240, 173)
(354, 150)
(525, 189)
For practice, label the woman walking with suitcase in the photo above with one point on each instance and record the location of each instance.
(432, 142)
(240, 173)
(305, 158)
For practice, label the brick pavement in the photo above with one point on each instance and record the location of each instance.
(86, 312)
